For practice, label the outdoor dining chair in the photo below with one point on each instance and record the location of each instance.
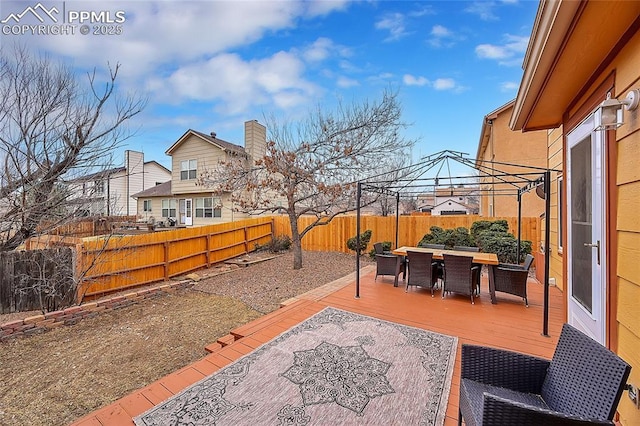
(582, 384)
(459, 275)
(478, 270)
(511, 278)
(440, 273)
(422, 271)
(386, 265)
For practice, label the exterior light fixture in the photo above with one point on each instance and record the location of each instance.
(609, 113)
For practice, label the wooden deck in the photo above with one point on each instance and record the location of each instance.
(508, 324)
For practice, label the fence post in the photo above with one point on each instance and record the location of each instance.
(166, 260)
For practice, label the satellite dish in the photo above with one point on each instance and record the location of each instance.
(540, 190)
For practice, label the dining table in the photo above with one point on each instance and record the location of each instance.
(489, 259)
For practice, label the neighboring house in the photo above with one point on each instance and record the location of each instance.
(499, 144)
(109, 192)
(578, 54)
(449, 200)
(185, 202)
(450, 207)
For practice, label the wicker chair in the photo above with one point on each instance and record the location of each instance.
(386, 265)
(478, 270)
(440, 265)
(459, 275)
(433, 246)
(512, 279)
(582, 384)
(422, 270)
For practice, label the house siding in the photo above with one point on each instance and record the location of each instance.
(626, 250)
(154, 174)
(627, 67)
(193, 148)
(556, 157)
(507, 146)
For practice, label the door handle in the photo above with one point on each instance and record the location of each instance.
(595, 245)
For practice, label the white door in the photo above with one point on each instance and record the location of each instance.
(186, 212)
(586, 267)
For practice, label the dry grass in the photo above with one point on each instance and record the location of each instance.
(64, 374)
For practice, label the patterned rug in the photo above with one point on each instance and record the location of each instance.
(336, 367)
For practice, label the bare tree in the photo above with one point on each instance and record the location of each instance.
(312, 167)
(54, 128)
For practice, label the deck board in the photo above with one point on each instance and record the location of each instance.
(507, 324)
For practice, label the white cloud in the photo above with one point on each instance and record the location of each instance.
(395, 24)
(484, 10)
(444, 84)
(490, 51)
(324, 7)
(236, 84)
(441, 36)
(346, 82)
(411, 80)
(319, 50)
(509, 86)
(509, 53)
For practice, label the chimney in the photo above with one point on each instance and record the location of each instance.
(255, 139)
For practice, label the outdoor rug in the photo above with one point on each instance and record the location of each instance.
(335, 368)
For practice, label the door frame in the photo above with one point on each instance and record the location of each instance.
(594, 323)
(183, 217)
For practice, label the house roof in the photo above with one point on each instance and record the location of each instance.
(485, 131)
(100, 174)
(212, 139)
(162, 190)
(158, 164)
(466, 206)
(571, 44)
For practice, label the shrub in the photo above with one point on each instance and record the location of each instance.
(365, 237)
(449, 237)
(277, 244)
(494, 237)
(386, 246)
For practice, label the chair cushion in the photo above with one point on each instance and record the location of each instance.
(473, 391)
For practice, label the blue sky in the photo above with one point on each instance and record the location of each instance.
(212, 65)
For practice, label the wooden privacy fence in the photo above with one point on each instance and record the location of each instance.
(115, 262)
(334, 236)
(36, 280)
(122, 261)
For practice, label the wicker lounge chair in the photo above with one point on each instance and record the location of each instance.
(582, 384)
(422, 270)
(512, 279)
(459, 275)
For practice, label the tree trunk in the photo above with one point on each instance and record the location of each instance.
(295, 242)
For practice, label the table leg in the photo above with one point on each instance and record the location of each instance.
(398, 270)
(492, 284)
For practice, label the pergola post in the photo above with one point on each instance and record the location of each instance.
(397, 216)
(519, 226)
(358, 194)
(547, 236)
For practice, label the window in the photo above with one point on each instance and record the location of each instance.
(99, 186)
(146, 205)
(208, 207)
(560, 204)
(188, 169)
(169, 208)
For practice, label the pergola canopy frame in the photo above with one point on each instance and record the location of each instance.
(530, 178)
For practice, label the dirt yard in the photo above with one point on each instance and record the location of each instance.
(59, 376)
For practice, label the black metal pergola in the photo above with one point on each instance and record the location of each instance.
(526, 179)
